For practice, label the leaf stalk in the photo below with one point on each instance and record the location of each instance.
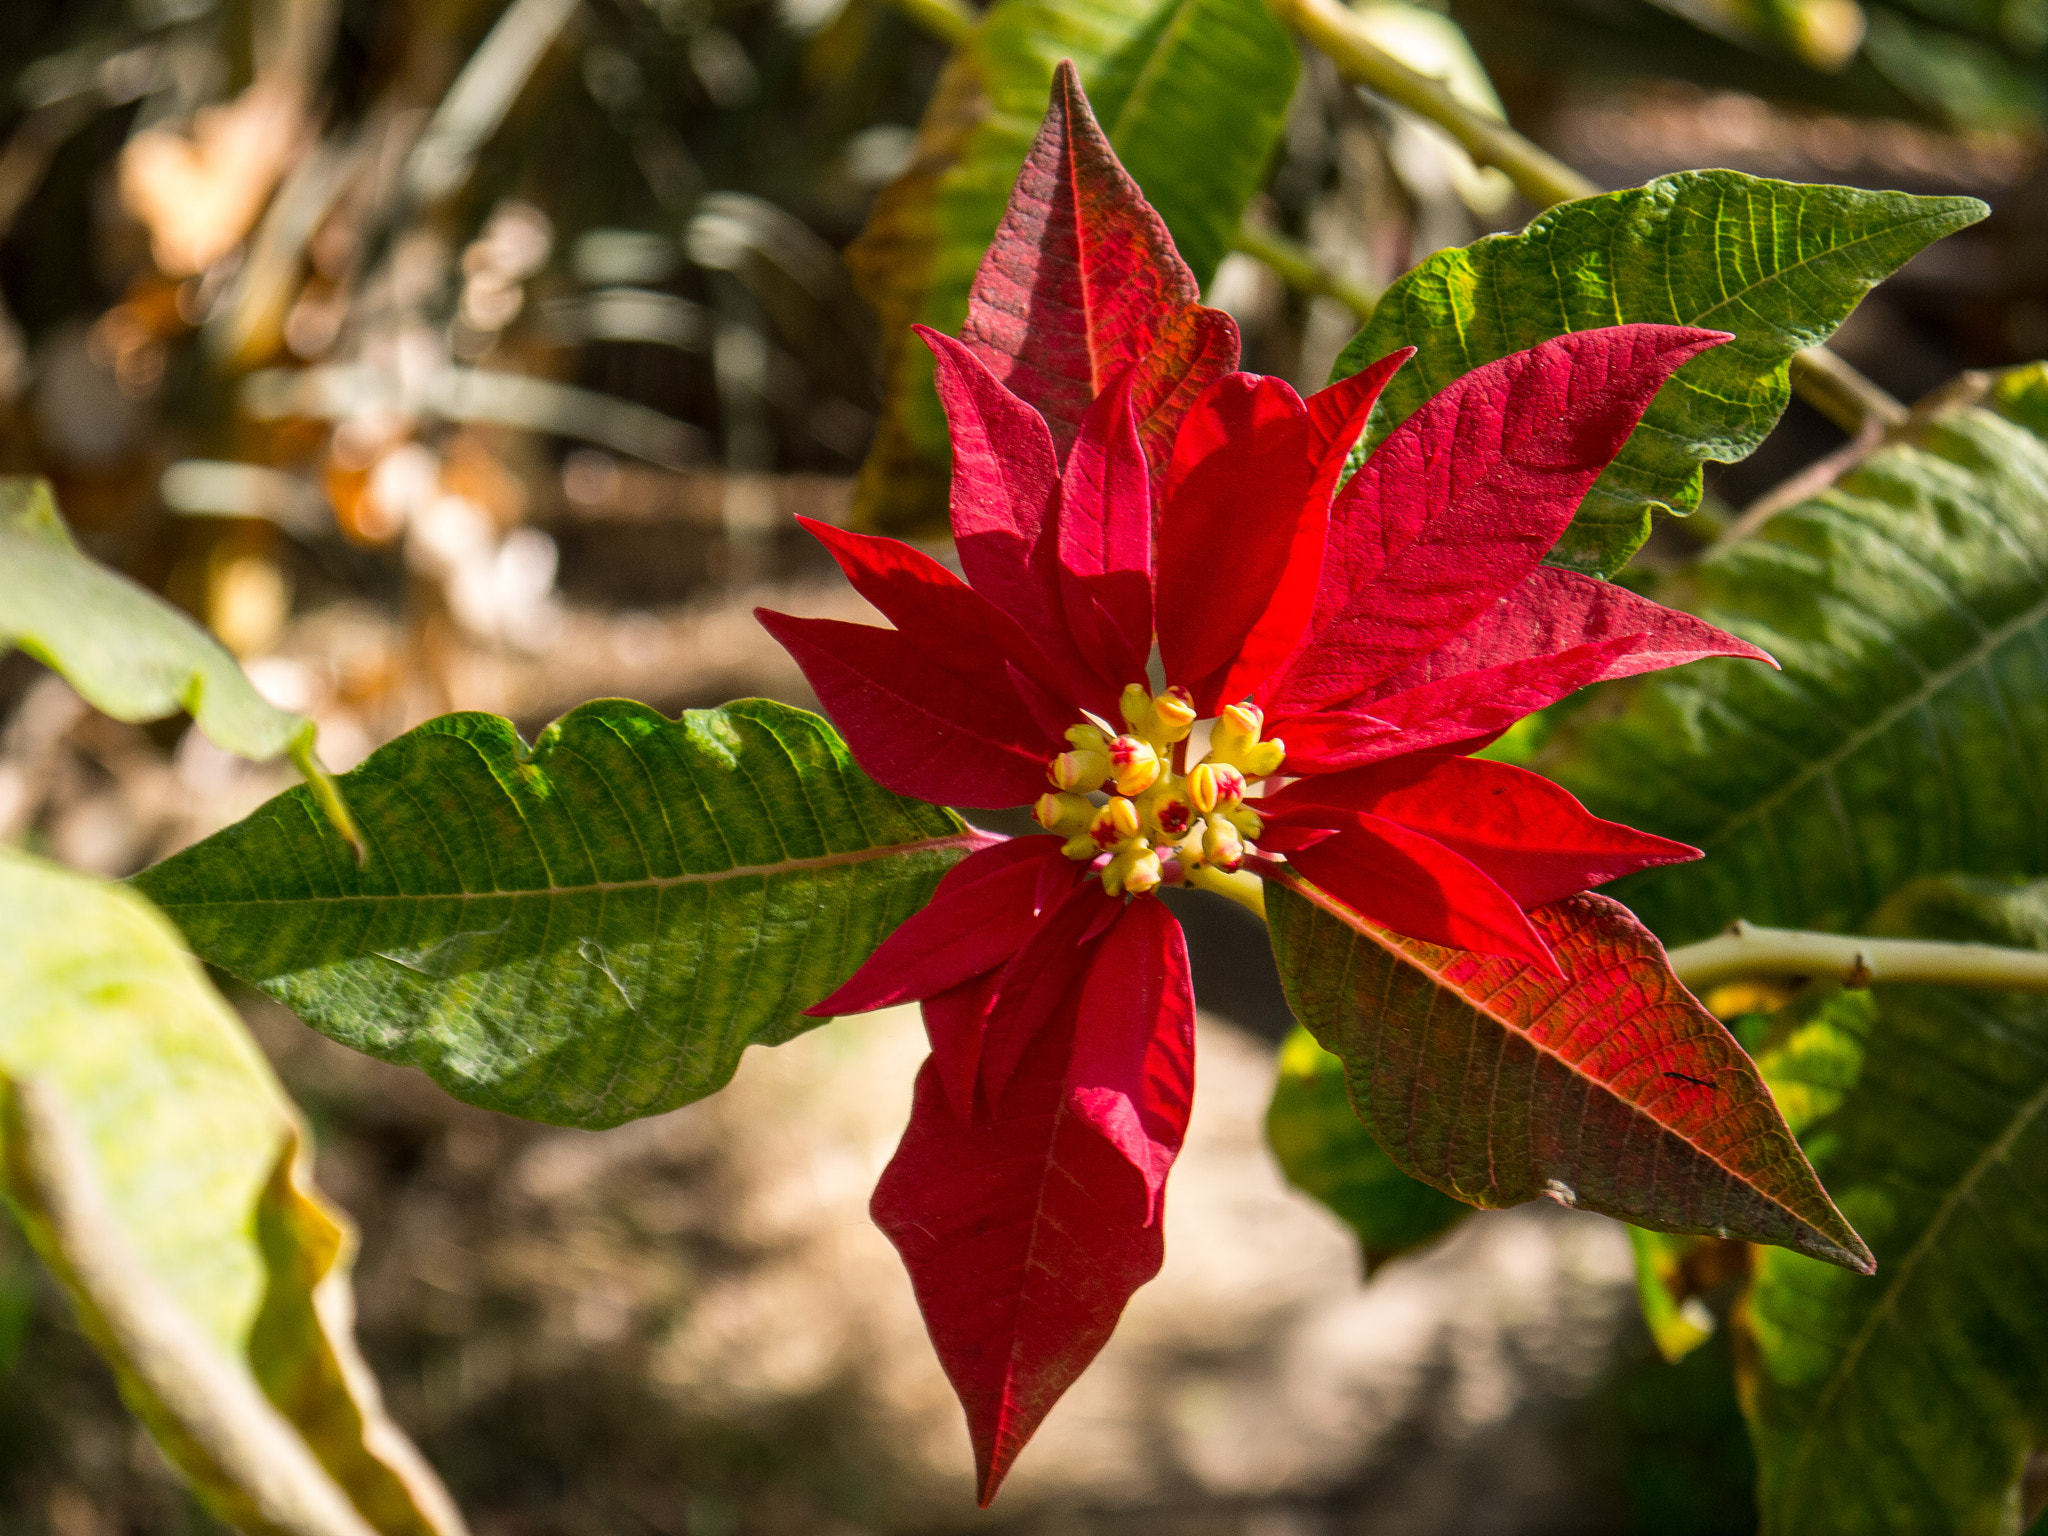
(1748, 951)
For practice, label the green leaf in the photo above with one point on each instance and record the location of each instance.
(126, 650)
(1776, 263)
(1678, 1320)
(1606, 1087)
(164, 1177)
(1192, 94)
(1908, 732)
(1327, 1153)
(582, 932)
(1909, 1401)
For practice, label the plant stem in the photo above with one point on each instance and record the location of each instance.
(1745, 951)
(1335, 29)
(1301, 269)
(1242, 887)
(1821, 378)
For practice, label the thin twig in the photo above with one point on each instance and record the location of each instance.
(1820, 377)
(1746, 951)
(1302, 269)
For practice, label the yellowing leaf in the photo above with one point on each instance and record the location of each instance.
(162, 1175)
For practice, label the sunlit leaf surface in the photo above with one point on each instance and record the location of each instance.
(584, 931)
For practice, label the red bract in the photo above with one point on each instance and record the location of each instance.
(1353, 645)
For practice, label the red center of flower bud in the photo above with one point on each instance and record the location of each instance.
(1121, 798)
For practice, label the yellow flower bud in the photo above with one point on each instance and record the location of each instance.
(1079, 770)
(1144, 874)
(1133, 870)
(1136, 705)
(1064, 814)
(1221, 844)
(1202, 787)
(1242, 817)
(1173, 716)
(1265, 758)
(1086, 738)
(1081, 847)
(1134, 763)
(1238, 726)
(1116, 822)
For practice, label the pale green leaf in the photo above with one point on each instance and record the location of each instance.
(126, 650)
(1908, 1402)
(1192, 95)
(1908, 732)
(584, 931)
(1327, 1153)
(1776, 263)
(163, 1176)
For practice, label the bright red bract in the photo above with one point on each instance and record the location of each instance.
(1387, 625)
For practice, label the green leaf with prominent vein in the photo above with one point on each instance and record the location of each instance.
(126, 650)
(1908, 1402)
(1908, 732)
(1192, 95)
(163, 1176)
(1326, 1153)
(1776, 263)
(582, 932)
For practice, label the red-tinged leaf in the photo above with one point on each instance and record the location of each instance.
(1413, 884)
(1529, 835)
(982, 913)
(1133, 1070)
(1082, 282)
(1025, 1232)
(921, 724)
(1463, 500)
(1105, 541)
(1610, 1088)
(1036, 986)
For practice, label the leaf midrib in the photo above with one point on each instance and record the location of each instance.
(967, 839)
(1901, 1275)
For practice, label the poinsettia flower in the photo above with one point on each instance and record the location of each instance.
(1396, 623)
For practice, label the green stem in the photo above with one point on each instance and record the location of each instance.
(1821, 378)
(1301, 269)
(1242, 887)
(1336, 30)
(1747, 951)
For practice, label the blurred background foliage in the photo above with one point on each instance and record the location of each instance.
(459, 354)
